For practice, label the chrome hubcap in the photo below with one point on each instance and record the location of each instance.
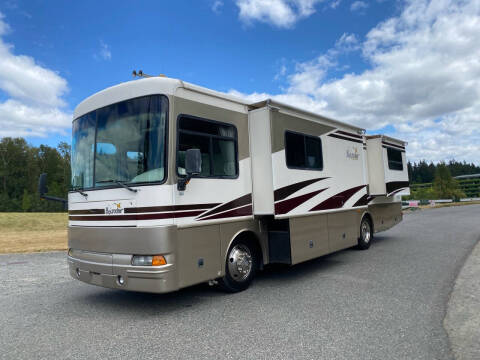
(366, 232)
(240, 262)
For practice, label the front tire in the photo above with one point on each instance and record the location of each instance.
(366, 234)
(240, 266)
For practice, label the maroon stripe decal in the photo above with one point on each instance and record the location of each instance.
(349, 134)
(170, 215)
(364, 200)
(338, 200)
(286, 191)
(396, 191)
(283, 207)
(243, 200)
(170, 208)
(345, 138)
(86, 212)
(241, 211)
(148, 209)
(393, 145)
(394, 185)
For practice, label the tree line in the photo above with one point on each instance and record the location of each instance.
(21, 164)
(444, 186)
(423, 172)
(20, 167)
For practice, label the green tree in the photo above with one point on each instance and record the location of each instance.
(422, 194)
(444, 185)
(20, 166)
(26, 201)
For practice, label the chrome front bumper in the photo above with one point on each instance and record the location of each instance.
(103, 269)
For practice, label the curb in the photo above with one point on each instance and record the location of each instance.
(462, 321)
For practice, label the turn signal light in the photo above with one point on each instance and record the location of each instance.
(159, 260)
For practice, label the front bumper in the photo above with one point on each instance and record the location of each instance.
(103, 269)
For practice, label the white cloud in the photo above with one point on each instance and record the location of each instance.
(34, 104)
(334, 4)
(280, 13)
(19, 119)
(358, 5)
(347, 42)
(423, 79)
(217, 6)
(281, 72)
(104, 52)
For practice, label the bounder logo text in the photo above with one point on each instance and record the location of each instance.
(353, 153)
(114, 209)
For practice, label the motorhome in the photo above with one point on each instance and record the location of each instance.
(174, 184)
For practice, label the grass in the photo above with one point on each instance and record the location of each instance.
(441, 205)
(32, 232)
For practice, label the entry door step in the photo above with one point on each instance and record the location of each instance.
(279, 251)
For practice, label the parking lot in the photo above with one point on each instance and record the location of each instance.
(385, 303)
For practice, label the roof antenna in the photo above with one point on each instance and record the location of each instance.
(141, 74)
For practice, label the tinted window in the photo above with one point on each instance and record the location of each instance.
(303, 151)
(295, 150)
(217, 143)
(125, 141)
(394, 159)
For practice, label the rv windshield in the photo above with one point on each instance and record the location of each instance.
(123, 142)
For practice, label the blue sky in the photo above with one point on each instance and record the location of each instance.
(383, 65)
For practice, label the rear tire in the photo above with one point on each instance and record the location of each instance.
(240, 266)
(366, 234)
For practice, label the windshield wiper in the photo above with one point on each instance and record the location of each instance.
(117, 182)
(80, 192)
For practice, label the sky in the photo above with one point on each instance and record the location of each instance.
(408, 69)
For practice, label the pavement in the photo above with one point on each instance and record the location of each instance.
(385, 303)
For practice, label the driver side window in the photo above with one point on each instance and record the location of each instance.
(217, 143)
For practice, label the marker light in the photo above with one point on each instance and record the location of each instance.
(148, 260)
(159, 260)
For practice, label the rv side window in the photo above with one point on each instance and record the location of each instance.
(394, 159)
(303, 151)
(217, 143)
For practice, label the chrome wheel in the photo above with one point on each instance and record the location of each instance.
(240, 262)
(366, 231)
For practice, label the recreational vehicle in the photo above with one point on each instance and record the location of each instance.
(174, 184)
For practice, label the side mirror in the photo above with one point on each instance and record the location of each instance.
(193, 166)
(43, 189)
(42, 184)
(193, 162)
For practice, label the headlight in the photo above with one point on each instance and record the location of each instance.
(148, 260)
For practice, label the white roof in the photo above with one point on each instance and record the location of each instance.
(143, 87)
(169, 86)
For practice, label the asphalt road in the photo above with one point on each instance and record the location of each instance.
(384, 303)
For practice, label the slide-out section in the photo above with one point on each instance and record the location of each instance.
(387, 166)
(261, 160)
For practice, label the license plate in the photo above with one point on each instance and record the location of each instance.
(96, 279)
